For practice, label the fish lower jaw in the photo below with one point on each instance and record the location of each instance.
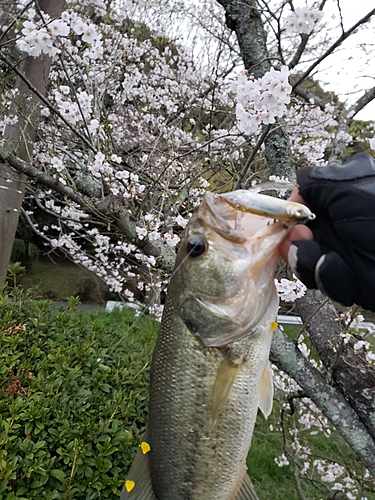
(215, 309)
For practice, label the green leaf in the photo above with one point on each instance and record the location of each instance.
(28, 428)
(58, 474)
(37, 483)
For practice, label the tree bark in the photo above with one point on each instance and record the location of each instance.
(328, 398)
(20, 138)
(244, 17)
(349, 370)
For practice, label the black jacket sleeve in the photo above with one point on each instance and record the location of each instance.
(341, 259)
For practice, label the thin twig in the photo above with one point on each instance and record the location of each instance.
(304, 326)
(338, 42)
(46, 102)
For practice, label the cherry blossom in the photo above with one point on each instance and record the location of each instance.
(302, 20)
(288, 290)
(261, 101)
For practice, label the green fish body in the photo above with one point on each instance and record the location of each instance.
(210, 370)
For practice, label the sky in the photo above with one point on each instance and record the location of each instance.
(349, 71)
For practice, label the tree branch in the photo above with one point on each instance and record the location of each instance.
(45, 101)
(249, 161)
(344, 120)
(367, 97)
(109, 208)
(352, 374)
(307, 96)
(46, 180)
(333, 404)
(333, 47)
(299, 52)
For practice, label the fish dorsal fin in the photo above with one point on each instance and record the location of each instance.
(266, 390)
(247, 491)
(138, 485)
(226, 375)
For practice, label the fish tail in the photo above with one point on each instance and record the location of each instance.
(138, 484)
(246, 491)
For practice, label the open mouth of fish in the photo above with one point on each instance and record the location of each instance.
(240, 233)
(240, 215)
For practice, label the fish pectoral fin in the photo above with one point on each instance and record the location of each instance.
(247, 491)
(266, 390)
(225, 377)
(138, 485)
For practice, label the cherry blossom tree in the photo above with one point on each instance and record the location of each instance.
(117, 116)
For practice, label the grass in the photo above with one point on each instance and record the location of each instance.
(272, 482)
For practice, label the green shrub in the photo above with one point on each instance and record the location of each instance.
(72, 407)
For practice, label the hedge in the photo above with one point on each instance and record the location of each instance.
(73, 398)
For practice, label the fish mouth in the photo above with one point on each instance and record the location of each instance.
(229, 286)
(229, 301)
(217, 309)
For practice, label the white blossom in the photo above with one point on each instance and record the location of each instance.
(141, 232)
(288, 290)
(302, 20)
(89, 33)
(261, 101)
(281, 461)
(59, 28)
(181, 221)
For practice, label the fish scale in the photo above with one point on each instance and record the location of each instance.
(185, 373)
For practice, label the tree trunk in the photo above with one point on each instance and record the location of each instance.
(20, 138)
(349, 403)
(349, 370)
(245, 19)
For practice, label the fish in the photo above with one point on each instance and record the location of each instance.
(210, 368)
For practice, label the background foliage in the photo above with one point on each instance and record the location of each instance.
(72, 407)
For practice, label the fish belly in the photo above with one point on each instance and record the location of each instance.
(194, 454)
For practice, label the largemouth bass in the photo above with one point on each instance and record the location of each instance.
(210, 370)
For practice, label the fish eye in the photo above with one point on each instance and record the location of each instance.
(196, 246)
